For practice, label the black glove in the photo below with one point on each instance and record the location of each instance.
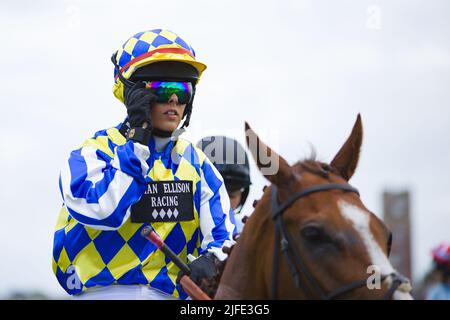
(138, 101)
(204, 267)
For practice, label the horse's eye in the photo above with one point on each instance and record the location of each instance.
(313, 234)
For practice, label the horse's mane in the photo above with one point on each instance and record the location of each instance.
(313, 165)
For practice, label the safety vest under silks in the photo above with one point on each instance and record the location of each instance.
(97, 244)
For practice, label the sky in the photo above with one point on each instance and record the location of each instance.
(298, 71)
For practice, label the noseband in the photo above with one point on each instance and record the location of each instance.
(294, 260)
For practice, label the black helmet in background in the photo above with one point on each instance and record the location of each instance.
(231, 160)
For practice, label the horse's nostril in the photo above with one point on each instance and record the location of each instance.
(244, 219)
(255, 203)
(264, 188)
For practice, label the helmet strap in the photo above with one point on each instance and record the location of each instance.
(243, 199)
(161, 133)
(188, 110)
(125, 82)
(188, 117)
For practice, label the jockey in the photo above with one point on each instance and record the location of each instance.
(441, 259)
(141, 173)
(231, 160)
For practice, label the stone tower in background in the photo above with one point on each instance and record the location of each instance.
(397, 218)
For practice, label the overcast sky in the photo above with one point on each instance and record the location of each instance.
(298, 71)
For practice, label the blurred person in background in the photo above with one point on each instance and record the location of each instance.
(441, 260)
(231, 160)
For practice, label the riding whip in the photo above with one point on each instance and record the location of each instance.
(188, 285)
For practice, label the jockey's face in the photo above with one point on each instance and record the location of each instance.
(235, 198)
(167, 116)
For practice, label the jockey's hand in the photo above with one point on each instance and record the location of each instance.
(138, 101)
(202, 268)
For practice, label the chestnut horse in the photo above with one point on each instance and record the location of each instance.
(310, 236)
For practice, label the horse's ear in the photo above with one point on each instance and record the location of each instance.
(347, 158)
(271, 165)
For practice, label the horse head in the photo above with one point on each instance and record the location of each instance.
(311, 236)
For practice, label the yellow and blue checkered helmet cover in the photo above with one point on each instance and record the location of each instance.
(148, 47)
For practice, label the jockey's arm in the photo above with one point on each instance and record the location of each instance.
(99, 185)
(217, 225)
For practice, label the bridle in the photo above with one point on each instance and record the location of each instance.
(294, 260)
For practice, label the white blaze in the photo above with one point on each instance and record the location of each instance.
(361, 222)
